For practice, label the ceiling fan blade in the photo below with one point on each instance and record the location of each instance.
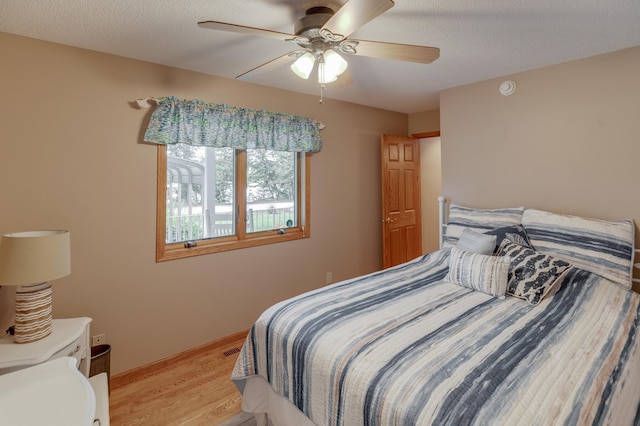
(356, 13)
(241, 29)
(267, 66)
(399, 52)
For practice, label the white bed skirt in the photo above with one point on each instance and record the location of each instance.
(268, 407)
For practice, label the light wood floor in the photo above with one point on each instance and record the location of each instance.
(192, 388)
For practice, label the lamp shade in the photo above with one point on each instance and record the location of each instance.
(34, 257)
(335, 63)
(303, 65)
(330, 67)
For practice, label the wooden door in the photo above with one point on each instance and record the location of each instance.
(401, 217)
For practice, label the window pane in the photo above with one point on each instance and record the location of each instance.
(271, 190)
(200, 193)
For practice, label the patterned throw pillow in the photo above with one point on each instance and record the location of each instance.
(476, 243)
(479, 272)
(478, 220)
(532, 274)
(515, 233)
(602, 247)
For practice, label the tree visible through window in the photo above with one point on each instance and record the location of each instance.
(209, 192)
(271, 190)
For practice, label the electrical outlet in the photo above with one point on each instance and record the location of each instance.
(98, 339)
(329, 277)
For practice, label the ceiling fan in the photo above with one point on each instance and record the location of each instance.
(322, 36)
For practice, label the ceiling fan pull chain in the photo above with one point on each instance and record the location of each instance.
(321, 90)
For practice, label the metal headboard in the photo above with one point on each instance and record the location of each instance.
(442, 218)
(637, 265)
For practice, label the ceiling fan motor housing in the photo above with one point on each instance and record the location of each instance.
(310, 24)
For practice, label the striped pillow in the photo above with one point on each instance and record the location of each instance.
(532, 274)
(602, 247)
(478, 220)
(479, 272)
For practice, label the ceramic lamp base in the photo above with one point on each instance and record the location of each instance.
(33, 313)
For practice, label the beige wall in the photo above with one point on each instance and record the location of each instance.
(423, 122)
(566, 141)
(72, 158)
(430, 175)
(431, 189)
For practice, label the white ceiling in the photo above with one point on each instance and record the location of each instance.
(478, 39)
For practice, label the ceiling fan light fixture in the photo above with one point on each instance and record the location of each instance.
(334, 62)
(303, 66)
(330, 66)
(323, 74)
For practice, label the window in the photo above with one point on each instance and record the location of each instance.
(218, 199)
(229, 177)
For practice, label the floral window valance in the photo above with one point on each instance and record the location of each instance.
(203, 124)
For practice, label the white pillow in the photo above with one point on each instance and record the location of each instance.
(476, 242)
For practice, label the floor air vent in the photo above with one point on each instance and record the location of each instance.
(232, 351)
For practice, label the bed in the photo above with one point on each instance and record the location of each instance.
(523, 317)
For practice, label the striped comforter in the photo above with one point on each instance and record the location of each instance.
(405, 347)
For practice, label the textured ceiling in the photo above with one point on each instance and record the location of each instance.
(478, 40)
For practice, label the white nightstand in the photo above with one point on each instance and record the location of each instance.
(69, 337)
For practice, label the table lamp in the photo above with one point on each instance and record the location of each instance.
(31, 260)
